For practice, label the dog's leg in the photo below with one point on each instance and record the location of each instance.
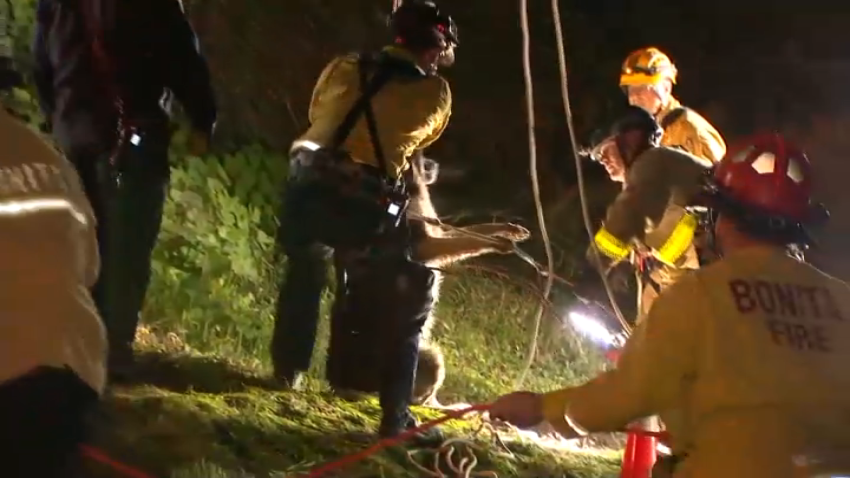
(442, 251)
(509, 231)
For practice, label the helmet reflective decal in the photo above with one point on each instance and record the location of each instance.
(743, 155)
(795, 172)
(765, 163)
(767, 184)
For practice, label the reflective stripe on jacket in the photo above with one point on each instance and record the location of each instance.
(650, 209)
(50, 262)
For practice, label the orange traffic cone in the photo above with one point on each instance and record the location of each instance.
(639, 456)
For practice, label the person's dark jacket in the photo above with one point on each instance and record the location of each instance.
(152, 54)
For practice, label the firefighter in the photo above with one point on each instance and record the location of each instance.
(52, 341)
(369, 113)
(757, 371)
(647, 78)
(106, 80)
(647, 223)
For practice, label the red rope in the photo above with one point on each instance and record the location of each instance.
(388, 442)
(101, 457)
(130, 472)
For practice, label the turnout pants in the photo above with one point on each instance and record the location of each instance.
(380, 313)
(375, 330)
(43, 423)
(127, 199)
(300, 293)
(303, 222)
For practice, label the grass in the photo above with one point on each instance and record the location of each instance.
(201, 407)
(204, 409)
(197, 416)
(484, 328)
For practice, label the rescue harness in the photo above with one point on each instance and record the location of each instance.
(354, 204)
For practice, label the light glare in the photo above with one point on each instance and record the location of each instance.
(592, 328)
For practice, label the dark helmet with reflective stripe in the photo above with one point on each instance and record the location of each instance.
(636, 118)
(420, 25)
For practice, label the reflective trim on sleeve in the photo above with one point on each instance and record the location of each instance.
(22, 207)
(679, 240)
(610, 246)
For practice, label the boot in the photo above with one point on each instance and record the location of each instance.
(393, 424)
(290, 379)
(121, 366)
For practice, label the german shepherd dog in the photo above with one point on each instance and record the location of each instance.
(436, 247)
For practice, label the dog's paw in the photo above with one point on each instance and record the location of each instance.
(513, 232)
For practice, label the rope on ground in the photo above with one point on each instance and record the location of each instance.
(535, 185)
(99, 456)
(393, 441)
(464, 468)
(565, 95)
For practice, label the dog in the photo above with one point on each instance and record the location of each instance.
(436, 246)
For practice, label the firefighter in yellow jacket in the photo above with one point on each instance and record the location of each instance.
(647, 78)
(53, 344)
(647, 222)
(751, 350)
(368, 115)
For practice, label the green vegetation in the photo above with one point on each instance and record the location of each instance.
(201, 417)
(203, 407)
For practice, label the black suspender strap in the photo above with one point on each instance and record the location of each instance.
(370, 118)
(362, 104)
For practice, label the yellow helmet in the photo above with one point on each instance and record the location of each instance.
(647, 66)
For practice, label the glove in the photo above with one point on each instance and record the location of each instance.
(620, 276)
(588, 285)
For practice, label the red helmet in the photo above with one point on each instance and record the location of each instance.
(767, 175)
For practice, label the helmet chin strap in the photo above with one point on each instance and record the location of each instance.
(794, 249)
(712, 243)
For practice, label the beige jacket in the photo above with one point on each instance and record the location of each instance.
(50, 260)
(693, 133)
(745, 360)
(650, 212)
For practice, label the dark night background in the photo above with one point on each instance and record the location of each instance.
(746, 65)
